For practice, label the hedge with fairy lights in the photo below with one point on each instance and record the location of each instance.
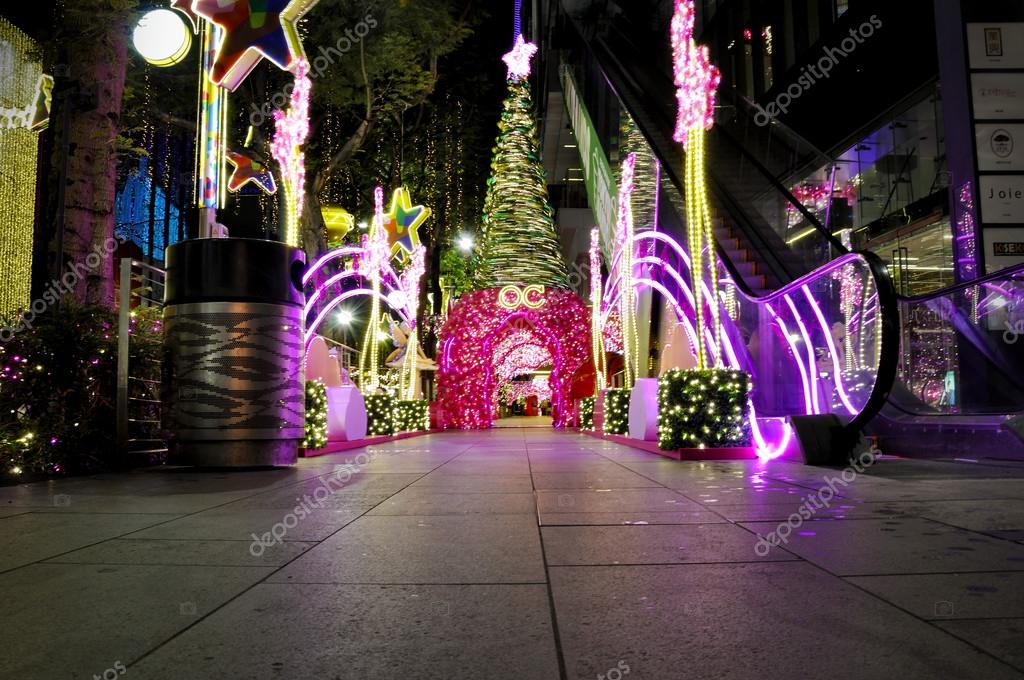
(616, 411)
(703, 409)
(412, 416)
(587, 413)
(380, 414)
(58, 387)
(316, 416)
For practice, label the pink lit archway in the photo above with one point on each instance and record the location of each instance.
(469, 377)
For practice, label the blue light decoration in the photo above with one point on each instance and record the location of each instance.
(151, 230)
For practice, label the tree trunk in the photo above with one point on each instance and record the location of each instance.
(314, 230)
(98, 69)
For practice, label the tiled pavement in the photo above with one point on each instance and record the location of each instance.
(516, 554)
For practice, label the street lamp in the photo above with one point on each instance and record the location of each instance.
(465, 243)
(345, 319)
(163, 39)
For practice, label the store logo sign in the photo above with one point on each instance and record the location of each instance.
(514, 297)
(1001, 143)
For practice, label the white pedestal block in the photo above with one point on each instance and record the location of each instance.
(320, 365)
(346, 414)
(643, 410)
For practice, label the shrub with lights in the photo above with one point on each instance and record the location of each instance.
(380, 415)
(587, 413)
(316, 416)
(616, 411)
(58, 387)
(703, 409)
(412, 416)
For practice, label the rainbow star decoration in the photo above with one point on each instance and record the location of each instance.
(253, 30)
(518, 60)
(185, 7)
(248, 170)
(403, 221)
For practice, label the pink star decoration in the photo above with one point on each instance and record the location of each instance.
(519, 58)
(697, 78)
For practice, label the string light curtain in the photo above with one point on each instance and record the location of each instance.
(19, 144)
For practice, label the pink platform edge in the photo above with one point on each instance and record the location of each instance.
(337, 447)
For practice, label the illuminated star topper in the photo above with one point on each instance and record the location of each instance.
(248, 170)
(696, 77)
(253, 29)
(519, 58)
(403, 221)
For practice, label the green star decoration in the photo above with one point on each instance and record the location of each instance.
(403, 221)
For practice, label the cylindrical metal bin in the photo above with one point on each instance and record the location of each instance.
(233, 339)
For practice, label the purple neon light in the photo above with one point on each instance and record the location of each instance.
(812, 362)
(796, 357)
(836, 373)
(327, 257)
(810, 383)
(338, 278)
(311, 331)
(765, 450)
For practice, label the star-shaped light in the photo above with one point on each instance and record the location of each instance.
(248, 170)
(403, 221)
(185, 7)
(519, 59)
(253, 29)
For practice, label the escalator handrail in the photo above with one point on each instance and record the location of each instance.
(888, 313)
(1016, 270)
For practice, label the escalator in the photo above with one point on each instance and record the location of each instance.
(842, 338)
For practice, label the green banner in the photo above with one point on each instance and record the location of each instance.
(601, 186)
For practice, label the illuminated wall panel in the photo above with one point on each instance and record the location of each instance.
(19, 93)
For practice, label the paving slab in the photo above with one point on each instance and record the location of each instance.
(768, 621)
(464, 549)
(905, 545)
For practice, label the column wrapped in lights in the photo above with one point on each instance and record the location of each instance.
(409, 283)
(596, 297)
(377, 255)
(627, 298)
(291, 129)
(696, 80)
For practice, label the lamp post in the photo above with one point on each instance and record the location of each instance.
(163, 39)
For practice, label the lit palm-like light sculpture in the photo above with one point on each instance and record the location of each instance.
(696, 81)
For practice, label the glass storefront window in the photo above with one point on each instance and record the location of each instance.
(920, 258)
(875, 184)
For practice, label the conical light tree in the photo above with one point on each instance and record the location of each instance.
(520, 245)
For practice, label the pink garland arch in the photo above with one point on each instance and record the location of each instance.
(471, 371)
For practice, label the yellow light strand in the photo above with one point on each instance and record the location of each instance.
(19, 150)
